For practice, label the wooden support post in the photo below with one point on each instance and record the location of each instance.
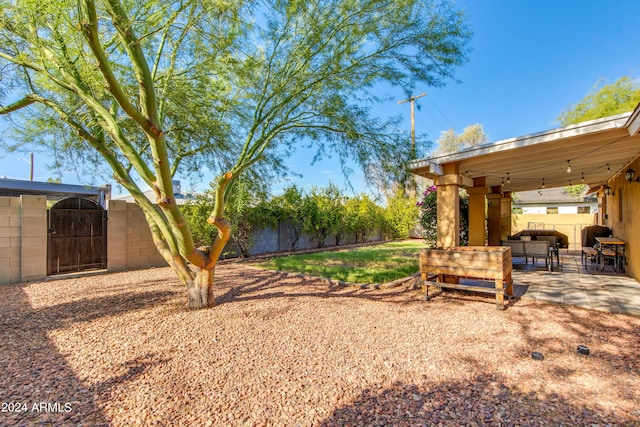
(477, 216)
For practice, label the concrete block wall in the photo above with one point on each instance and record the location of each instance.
(33, 238)
(266, 241)
(116, 235)
(23, 239)
(278, 240)
(141, 252)
(569, 224)
(10, 208)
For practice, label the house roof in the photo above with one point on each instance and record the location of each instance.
(53, 191)
(556, 196)
(597, 150)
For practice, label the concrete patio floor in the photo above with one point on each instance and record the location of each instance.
(570, 283)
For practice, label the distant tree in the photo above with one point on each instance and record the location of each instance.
(608, 100)
(156, 88)
(471, 136)
(575, 190)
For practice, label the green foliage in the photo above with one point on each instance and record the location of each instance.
(288, 210)
(362, 217)
(400, 215)
(575, 190)
(247, 212)
(323, 213)
(429, 216)
(619, 97)
(196, 209)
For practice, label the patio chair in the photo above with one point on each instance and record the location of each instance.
(539, 249)
(617, 257)
(553, 246)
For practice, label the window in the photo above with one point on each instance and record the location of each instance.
(584, 209)
(517, 211)
(552, 211)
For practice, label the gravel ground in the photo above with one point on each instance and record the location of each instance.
(121, 349)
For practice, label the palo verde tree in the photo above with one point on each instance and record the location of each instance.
(155, 88)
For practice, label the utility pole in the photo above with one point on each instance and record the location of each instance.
(30, 164)
(412, 99)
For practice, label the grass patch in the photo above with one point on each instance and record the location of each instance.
(371, 264)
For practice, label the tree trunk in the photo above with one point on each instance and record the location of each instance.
(200, 290)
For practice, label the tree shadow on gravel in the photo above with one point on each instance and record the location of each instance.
(37, 385)
(86, 310)
(610, 341)
(264, 284)
(482, 400)
(260, 284)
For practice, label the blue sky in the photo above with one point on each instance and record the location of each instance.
(530, 60)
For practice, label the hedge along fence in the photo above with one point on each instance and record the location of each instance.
(278, 239)
(296, 220)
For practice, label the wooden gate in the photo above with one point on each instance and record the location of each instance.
(77, 236)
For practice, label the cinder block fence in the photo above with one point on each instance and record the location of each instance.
(23, 239)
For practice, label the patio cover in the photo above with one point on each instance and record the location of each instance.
(597, 150)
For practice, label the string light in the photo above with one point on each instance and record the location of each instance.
(568, 166)
(543, 186)
(508, 179)
(582, 179)
(608, 168)
(502, 184)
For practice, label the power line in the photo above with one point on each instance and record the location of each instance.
(441, 113)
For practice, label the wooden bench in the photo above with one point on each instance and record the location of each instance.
(448, 266)
(587, 252)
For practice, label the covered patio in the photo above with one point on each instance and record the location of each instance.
(603, 154)
(573, 284)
